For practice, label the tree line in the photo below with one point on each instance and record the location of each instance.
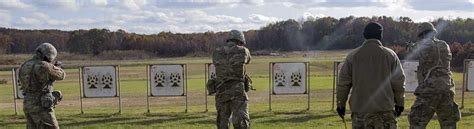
(326, 33)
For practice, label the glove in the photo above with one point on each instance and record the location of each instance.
(399, 110)
(58, 96)
(58, 64)
(341, 111)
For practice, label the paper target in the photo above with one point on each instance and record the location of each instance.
(411, 80)
(212, 71)
(289, 78)
(166, 80)
(99, 81)
(470, 75)
(17, 84)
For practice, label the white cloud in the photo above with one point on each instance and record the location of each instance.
(30, 21)
(257, 18)
(307, 15)
(132, 4)
(58, 4)
(154, 16)
(99, 2)
(12, 4)
(201, 17)
(5, 19)
(440, 5)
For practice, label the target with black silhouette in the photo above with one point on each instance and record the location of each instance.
(289, 78)
(17, 89)
(166, 80)
(209, 73)
(468, 79)
(100, 82)
(410, 69)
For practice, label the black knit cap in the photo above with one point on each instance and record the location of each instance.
(373, 30)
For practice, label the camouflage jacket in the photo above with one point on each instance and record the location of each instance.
(36, 76)
(434, 72)
(230, 61)
(373, 76)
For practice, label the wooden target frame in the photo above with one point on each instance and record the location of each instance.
(117, 82)
(149, 87)
(465, 82)
(307, 83)
(16, 94)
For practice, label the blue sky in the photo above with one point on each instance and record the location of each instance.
(186, 16)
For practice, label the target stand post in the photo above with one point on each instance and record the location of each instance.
(468, 79)
(17, 92)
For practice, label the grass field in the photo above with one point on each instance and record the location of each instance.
(289, 111)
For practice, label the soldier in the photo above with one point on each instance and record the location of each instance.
(435, 92)
(230, 86)
(374, 74)
(37, 76)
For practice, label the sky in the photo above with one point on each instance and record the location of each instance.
(188, 16)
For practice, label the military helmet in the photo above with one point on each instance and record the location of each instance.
(237, 35)
(426, 26)
(47, 51)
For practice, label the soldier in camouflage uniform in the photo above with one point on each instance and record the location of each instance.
(435, 92)
(231, 96)
(373, 77)
(37, 76)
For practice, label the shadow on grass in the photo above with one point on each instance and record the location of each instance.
(100, 121)
(4, 124)
(466, 114)
(96, 115)
(160, 120)
(203, 121)
(297, 118)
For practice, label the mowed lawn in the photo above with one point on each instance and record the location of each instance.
(289, 111)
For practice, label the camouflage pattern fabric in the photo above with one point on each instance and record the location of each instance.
(230, 63)
(434, 72)
(426, 105)
(41, 120)
(231, 97)
(435, 92)
(238, 109)
(377, 120)
(37, 76)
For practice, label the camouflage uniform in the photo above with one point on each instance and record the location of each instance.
(231, 96)
(37, 76)
(435, 92)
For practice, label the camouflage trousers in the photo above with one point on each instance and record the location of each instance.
(426, 105)
(239, 111)
(41, 120)
(376, 120)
